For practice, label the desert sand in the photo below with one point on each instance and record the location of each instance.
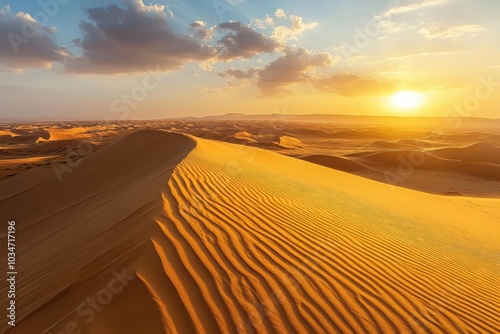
(207, 236)
(403, 153)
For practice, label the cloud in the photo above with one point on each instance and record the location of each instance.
(352, 85)
(200, 30)
(282, 34)
(170, 12)
(391, 26)
(269, 21)
(452, 32)
(280, 14)
(408, 56)
(243, 42)
(298, 24)
(258, 23)
(238, 74)
(290, 68)
(386, 19)
(131, 40)
(415, 6)
(24, 42)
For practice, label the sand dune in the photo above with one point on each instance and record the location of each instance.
(50, 147)
(493, 137)
(23, 160)
(24, 138)
(261, 140)
(241, 137)
(389, 145)
(337, 163)
(416, 160)
(218, 241)
(65, 134)
(36, 135)
(311, 132)
(372, 134)
(416, 143)
(484, 152)
(19, 158)
(7, 133)
(99, 213)
(419, 171)
(289, 142)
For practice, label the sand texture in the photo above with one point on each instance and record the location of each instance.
(214, 237)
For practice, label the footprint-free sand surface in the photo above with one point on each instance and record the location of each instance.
(161, 232)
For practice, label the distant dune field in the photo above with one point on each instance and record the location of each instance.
(461, 162)
(208, 238)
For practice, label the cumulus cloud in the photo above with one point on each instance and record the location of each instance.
(201, 31)
(282, 34)
(353, 85)
(298, 24)
(243, 42)
(290, 68)
(280, 14)
(131, 40)
(258, 23)
(269, 20)
(294, 66)
(452, 32)
(24, 42)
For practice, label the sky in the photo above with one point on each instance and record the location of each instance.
(135, 59)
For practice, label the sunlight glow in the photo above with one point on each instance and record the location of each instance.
(406, 100)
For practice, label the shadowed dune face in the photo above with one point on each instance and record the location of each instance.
(23, 138)
(337, 163)
(216, 239)
(425, 171)
(422, 161)
(481, 152)
(77, 232)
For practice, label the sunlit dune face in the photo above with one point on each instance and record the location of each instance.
(406, 100)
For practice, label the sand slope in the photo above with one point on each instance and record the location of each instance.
(74, 233)
(423, 161)
(334, 162)
(240, 241)
(482, 151)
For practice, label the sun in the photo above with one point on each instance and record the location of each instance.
(406, 100)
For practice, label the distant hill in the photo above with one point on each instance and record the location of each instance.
(431, 122)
